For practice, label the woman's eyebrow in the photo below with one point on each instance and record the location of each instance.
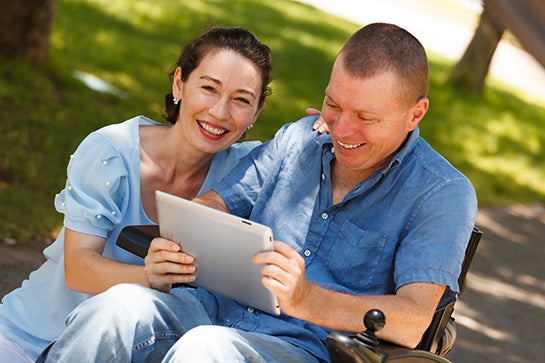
(219, 83)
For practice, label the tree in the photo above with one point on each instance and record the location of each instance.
(25, 27)
(471, 70)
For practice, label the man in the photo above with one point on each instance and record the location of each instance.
(370, 217)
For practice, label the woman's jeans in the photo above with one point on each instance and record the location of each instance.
(131, 323)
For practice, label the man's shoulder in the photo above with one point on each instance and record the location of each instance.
(435, 163)
(302, 131)
(303, 124)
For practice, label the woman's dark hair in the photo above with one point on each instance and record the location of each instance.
(235, 39)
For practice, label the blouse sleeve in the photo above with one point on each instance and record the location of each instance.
(94, 196)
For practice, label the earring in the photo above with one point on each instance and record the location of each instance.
(249, 127)
(176, 100)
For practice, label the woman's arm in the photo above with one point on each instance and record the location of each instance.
(87, 271)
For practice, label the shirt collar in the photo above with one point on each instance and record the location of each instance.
(406, 149)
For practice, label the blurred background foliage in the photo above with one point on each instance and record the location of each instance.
(496, 138)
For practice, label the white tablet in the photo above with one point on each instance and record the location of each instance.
(223, 246)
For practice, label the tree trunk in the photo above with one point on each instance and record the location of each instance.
(472, 68)
(25, 26)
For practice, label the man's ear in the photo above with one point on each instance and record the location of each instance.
(417, 113)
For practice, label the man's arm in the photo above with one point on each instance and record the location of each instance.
(408, 312)
(213, 200)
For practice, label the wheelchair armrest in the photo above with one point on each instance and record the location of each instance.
(395, 353)
(366, 348)
(345, 349)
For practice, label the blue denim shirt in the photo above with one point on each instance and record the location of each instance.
(409, 222)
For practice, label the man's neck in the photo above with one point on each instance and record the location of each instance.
(343, 180)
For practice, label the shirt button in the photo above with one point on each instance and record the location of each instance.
(324, 216)
(323, 176)
(307, 253)
(250, 309)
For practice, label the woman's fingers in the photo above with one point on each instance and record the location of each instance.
(167, 264)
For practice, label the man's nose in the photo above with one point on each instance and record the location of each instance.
(344, 125)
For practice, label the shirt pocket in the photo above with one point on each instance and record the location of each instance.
(355, 256)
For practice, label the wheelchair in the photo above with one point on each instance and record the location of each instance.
(437, 341)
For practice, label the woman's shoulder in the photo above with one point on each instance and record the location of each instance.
(228, 158)
(125, 129)
(242, 148)
(119, 136)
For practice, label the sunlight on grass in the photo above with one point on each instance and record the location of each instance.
(496, 138)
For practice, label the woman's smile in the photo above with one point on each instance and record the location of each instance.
(214, 130)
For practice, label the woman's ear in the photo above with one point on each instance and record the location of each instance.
(261, 107)
(177, 83)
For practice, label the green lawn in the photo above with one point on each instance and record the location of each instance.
(494, 138)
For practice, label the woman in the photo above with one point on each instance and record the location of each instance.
(219, 88)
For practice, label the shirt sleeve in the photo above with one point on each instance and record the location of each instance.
(438, 257)
(94, 196)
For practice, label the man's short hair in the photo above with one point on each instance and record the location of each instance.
(381, 47)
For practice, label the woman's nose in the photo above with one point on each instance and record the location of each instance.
(220, 109)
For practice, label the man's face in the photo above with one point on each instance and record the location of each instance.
(367, 119)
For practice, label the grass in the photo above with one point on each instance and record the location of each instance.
(494, 138)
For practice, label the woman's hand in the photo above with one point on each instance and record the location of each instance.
(166, 264)
(283, 274)
(319, 125)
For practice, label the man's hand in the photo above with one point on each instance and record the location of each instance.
(167, 264)
(284, 275)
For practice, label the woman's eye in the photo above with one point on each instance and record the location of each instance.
(209, 88)
(243, 100)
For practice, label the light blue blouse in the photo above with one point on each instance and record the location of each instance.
(101, 196)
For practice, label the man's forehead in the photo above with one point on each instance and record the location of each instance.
(365, 94)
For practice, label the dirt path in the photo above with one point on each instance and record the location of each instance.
(500, 317)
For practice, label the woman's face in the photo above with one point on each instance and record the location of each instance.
(219, 100)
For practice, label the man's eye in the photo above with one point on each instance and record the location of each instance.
(367, 120)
